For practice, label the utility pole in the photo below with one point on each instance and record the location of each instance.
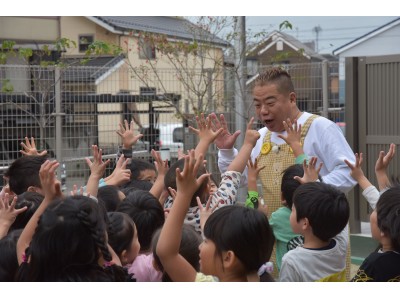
(317, 29)
(240, 83)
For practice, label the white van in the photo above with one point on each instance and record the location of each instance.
(169, 141)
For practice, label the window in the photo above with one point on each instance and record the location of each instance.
(84, 42)
(146, 50)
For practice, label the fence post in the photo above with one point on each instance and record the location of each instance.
(58, 114)
(325, 98)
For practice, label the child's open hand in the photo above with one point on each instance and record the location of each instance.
(206, 211)
(98, 166)
(30, 148)
(356, 171)
(205, 130)
(161, 166)
(8, 212)
(120, 174)
(310, 172)
(127, 134)
(225, 140)
(384, 160)
(187, 182)
(50, 184)
(252, 135)
(252, 169)
(293, 131)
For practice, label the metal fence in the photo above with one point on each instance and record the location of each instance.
(69, 109)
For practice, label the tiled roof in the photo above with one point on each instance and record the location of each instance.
(174, 27)
(92, 70)
(288, 38)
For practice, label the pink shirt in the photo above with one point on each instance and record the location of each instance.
(142, 269)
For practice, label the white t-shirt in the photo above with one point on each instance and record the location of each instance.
(303, 264)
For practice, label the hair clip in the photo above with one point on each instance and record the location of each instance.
(267, 267)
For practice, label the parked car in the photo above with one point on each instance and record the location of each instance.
(166, 138)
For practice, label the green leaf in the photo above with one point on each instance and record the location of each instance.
(285, 25)
(7, 86)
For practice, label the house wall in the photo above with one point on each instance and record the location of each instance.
(272, 55)
(72, 27)
(385, 43)
(29, 28)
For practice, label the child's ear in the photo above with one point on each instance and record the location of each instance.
(33, 189)
(124, 259)
(283, 200)
(228, 258)
(305, 224)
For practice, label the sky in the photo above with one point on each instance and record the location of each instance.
(333, 32)
(340, 21)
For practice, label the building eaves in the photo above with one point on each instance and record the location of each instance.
(289, 40)
(173, 27)
(93, 71)
(366, 36)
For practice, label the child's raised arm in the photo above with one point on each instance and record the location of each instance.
(381, 167)
(369, 191)
(30, 148)
(357, 172)
(168, 244)
(52, 189)
(97, 169)
(8, 213)
(206, 134)
(162, 168)
(128, 136)
(252, 191)
(310, 172)
(293, 139)
(250, 140)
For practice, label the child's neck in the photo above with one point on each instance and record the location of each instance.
(232, 277)
(312, 242)
(386, 244)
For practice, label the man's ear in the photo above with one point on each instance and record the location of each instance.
(292, 97)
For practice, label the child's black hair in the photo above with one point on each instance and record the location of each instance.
(188, 248)
(170, 180)
(67, 244)
(244, 231)
(325, 207)
(24, 172)
(31, 200)
(289, 184)
(8, 257)
(120, 230)
(138, 165)
(147, 213)
(110, 197)
(388, 215)
(134, 185)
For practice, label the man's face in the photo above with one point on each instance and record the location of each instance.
(273, 107)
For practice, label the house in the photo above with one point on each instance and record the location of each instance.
(384, 40)
(303, 63)
(147, 82)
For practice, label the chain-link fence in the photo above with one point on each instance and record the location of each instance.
(69, 109)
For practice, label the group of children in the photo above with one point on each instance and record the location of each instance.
(157, 222)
